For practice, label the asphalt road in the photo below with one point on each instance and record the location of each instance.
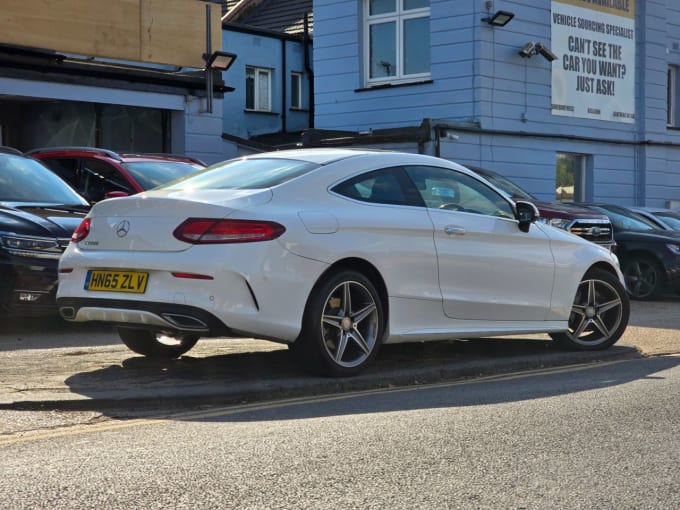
(600, 436)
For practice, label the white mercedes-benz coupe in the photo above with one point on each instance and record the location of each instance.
(335, 252)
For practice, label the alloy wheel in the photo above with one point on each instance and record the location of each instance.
(642, 278)
(350, 324)
(596, 314)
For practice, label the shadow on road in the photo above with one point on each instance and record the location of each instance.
(260, 376)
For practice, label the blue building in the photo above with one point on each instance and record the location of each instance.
(273, 78)
(572, 99)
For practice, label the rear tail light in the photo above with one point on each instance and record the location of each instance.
(212, 231)
(82, 231)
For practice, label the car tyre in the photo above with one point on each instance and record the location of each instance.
(599, 315)
(156, 345)
(644, 278)
(342, 326)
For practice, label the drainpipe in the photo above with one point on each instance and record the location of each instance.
(284, 79)
(308, 69)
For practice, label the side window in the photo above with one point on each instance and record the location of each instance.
(443, 188)
(386, 186)
(67, 169)
(100, 178)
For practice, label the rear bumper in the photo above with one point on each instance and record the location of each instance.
(170, 317)
(29, 287)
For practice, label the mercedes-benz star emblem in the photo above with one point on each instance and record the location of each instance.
(122, 228)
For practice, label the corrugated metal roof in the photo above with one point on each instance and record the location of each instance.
(285, 16)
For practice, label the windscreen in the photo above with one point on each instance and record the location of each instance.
(256, 173)
(508, 187)
(670, 219)
(150, 174)
(627, 220)
(26, 180)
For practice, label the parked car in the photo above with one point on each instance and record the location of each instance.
(100, 173)
(334, 252)
(38, 214)
(649, 256)
(573, 218)
(666, 219)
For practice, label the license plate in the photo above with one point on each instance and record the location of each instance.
(116, 281)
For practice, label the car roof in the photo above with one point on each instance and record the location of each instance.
(656, 209)
(121, 157)
(320, 156)
(5, 149)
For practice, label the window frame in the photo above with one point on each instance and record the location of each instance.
(257, 100)
(672, 93)
(580, 166)
(399, 16)
(296, 98)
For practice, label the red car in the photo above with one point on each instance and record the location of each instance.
(100, 173)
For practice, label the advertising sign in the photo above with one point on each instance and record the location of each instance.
(594, 76)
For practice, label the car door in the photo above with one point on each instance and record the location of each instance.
(488, 269)
(393, 228)
(100, 178)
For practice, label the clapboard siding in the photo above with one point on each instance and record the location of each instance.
(478, 78)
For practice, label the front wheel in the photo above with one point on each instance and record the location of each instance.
(599, 314)
(156, 345)
(644, 277)
(342, 326)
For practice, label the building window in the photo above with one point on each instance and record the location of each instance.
(571, 177)
(673, 94)
(258, 89)
(296, 90)
(397, 40)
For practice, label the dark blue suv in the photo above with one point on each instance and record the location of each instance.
(38, 214)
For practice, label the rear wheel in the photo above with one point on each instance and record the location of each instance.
(644, 277)
(342, 327)
(599, 314)
(156, 345)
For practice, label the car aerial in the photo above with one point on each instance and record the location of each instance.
(649, 256)
(666, 219)
(576, 219)
(100, 173)
(38, 214)
(334, 252)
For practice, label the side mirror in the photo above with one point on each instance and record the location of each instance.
(527, 213)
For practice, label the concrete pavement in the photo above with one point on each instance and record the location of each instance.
(61, 366)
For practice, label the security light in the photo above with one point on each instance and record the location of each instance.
(221, 60)
(500, 18)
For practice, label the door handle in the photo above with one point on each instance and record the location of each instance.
(453, 230)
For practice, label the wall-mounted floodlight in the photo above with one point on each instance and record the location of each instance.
(500, 18)
(532, 48)
(221, 60)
